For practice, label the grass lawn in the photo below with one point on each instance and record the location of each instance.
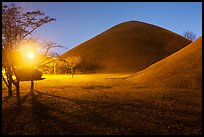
(101, 104)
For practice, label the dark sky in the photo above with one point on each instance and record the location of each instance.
(77, 22)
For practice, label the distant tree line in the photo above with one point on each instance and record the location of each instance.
(58, 65)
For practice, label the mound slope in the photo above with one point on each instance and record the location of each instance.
(127, 47)
(182, 69)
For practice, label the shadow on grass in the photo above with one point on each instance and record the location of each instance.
(11, 114)
(97, 87)
(100, 114)
(86, 120)
(91, 117)
(52, 120)
(5, 99)
(44, 121)
(62, 122)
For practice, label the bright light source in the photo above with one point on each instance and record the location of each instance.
(31, 55)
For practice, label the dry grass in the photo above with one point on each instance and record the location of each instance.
(93, 104)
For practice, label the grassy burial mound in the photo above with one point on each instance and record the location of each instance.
(128, 47)
(182, 69)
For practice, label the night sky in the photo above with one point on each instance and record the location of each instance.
(77, 22)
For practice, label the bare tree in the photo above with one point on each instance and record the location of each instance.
(72, 62)
(48, 57)
(189, 35)
(16, 26)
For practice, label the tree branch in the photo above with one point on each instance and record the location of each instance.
(5, 81)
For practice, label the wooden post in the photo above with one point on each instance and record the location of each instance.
(32, 88)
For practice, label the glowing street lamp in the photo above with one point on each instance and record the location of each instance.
(30, 59)
(31, 55)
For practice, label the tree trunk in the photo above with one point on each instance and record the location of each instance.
(17, 85)
(32, 88)
(10, 86)
(18, 98)
(9, 78)
(5, 81)
(54, 69)
(72, 71)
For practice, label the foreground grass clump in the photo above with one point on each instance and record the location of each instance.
(101, 104)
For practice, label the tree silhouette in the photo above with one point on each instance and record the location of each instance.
(49, 58)
(72, 62)
(16, 27)
(189, 35)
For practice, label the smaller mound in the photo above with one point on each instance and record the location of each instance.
(182, 69)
